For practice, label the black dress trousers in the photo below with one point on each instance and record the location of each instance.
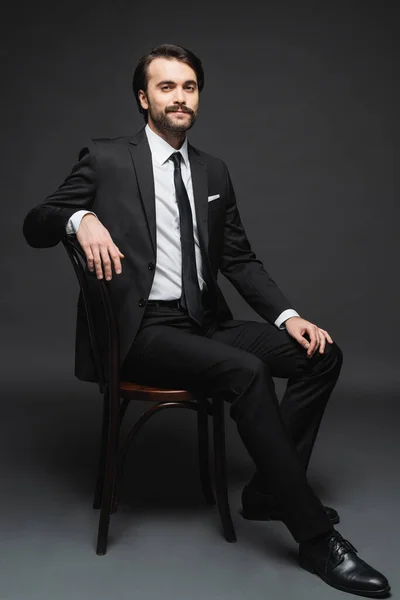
(238, 359)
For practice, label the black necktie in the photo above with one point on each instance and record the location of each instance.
(191, 294)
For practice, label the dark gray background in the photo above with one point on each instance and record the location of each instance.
(300, 101)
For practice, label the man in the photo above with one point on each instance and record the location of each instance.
(169, 210)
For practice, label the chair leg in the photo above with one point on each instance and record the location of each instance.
(110, 472)
(102, 455)
(203, 451)
(117, 483)
(220, 469)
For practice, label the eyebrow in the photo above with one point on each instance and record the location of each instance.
(191, 81)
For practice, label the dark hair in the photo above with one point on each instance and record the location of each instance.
(166, 51)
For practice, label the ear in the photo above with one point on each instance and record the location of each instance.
(143, 99)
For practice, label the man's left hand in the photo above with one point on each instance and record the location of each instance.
(297, 327)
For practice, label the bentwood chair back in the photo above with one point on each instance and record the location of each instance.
(118, 394)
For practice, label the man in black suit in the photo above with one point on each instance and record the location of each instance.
(169, 211)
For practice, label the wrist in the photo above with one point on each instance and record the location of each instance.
(289, 318)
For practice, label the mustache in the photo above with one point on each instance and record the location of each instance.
(182, 108)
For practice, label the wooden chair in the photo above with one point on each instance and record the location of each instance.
(117, 395)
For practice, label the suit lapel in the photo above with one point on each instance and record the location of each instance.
(200, 190)
(200, 193)
(141, 156)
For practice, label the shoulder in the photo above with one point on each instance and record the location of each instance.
(114, 141)
(110, 144)
(103, 147)
(213, 163)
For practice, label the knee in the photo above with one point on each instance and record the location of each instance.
(252, 365)
(336, 352)
(333, 355)
(250, 373)
(247, 368)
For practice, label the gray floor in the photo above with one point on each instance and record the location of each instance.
(164, 541)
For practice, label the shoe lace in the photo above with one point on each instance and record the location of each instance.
(339, 545)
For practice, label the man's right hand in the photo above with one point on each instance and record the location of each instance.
(98, 246)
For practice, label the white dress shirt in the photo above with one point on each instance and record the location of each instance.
(167, 282)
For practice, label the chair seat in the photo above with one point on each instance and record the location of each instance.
(128, 388)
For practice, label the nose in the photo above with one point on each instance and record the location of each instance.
(179, 95)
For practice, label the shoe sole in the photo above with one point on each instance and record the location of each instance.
(263, 516)
(376, 594)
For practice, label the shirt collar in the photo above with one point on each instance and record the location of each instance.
(161, 150)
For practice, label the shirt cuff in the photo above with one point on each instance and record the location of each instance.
(284, 316)
(75, 221)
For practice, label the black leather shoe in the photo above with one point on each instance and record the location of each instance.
(336, 562)
(262, 507)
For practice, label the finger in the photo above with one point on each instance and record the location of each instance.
(323, 343)
(97, 261)
(105, 257)
(89, 257)
(302, 340)
(113, 250)
(318, 342)
(313, 341)
(328, 337)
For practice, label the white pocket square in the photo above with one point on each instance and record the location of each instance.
(210, 198)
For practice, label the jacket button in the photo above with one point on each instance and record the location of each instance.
(142, 302)
(150, 266)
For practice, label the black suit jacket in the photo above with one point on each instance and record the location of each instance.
(114, 178)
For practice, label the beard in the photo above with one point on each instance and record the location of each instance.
(165, 122)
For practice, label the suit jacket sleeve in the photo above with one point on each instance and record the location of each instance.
(45, 224)
(241, 267)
